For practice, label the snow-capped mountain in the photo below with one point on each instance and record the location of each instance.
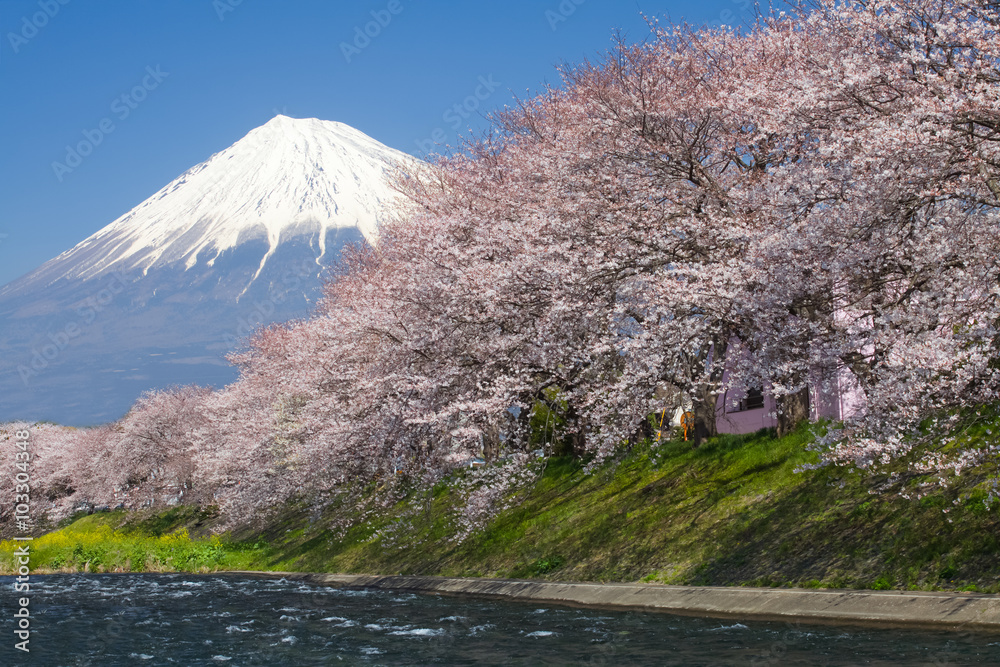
(286, 179)
(162, 293)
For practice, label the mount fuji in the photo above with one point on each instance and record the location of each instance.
(159, 296)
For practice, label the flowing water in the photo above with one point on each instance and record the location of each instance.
(181, 619)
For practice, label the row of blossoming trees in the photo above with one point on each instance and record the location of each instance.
(821, 192)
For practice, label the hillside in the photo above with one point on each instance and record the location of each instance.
(733, 512)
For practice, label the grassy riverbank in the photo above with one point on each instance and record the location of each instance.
(117, 542)
(733, 512)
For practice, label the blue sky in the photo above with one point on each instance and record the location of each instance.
(158, 86)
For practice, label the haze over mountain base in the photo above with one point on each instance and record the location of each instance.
(84, 354)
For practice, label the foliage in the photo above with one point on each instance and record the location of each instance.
(91, 544)
(733, 512)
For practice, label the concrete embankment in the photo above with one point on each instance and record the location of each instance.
(856, 607)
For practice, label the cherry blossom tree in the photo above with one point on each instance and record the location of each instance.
(882, 253)
(814, 199)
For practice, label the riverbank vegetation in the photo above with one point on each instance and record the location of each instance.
(116, 542)
(739, 510)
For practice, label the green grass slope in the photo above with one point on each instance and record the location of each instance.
(733, 512)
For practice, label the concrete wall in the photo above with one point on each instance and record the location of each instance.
(855, 607)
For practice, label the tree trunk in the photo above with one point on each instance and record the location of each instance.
(704, 408)
(643, 431)
(491, 443)
(574, 443)
(793, 409)
(706, 398)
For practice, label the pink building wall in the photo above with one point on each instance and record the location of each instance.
(730, 418)
(836, 398)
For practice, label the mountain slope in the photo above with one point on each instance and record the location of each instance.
(288, 178)
(162, 293)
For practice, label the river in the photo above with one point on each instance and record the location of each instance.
(182, 619)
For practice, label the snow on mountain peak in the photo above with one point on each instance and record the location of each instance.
(286, 178)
